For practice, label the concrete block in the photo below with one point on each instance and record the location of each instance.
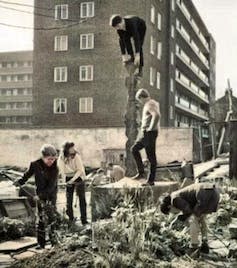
(106, 197)
(25, 255)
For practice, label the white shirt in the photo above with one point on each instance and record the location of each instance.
(72, 167)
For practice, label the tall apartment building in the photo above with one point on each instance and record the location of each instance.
(78, 75)
(16, 88)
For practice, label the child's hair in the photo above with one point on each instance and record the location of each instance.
(115, 20)
(66, 146)
(142, 93)
(48, 150)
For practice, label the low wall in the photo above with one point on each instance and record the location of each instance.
(19, 147)
(175, 144)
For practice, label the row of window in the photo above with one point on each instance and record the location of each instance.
(86, 73)
(85, 105)
(15, 91)
(87, 10)
(191, 42)
(190, 84)
(61, 42)
(16, 105)
(191, 64)
(190, 104)
(15, 120)
(192, 22)
(15, 77)
(185, 121)
(15, 64)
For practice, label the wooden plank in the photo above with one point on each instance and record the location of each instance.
(17, 245)
(16, 208)
(201, 169)
(5, 260)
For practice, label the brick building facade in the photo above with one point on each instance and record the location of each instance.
(16, 89)
(78, 75)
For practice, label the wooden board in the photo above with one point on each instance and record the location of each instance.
(17, 245)
(201, 169)
(5, 260)
(16, 208)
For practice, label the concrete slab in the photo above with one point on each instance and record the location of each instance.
(106, 197)
(130, 183)
(5, 259)
(24, 255)
(16, 245)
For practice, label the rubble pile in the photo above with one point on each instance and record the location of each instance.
(14, 229)
(135, 238)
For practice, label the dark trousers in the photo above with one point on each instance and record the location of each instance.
(129, 48)
(148, 141)
(47, 218)
(80, 191)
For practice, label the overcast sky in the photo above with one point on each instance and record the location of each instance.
(220, 17)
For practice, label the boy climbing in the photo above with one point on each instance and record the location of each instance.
(127, 28)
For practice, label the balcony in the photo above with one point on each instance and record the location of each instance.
(16, 71)
(193, 24)
(197, 91)
(16, 112)
(17, 98)
(193, 46)
(193, 67)
(198, 114)
(15, 123)
(18, 84)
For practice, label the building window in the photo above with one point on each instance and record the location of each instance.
(60, 74)
(61, 12)
(61, 43)
(152, 76)
(171, 112)
(8, 92)
(158, 80)
(172, 31)
(87, 41)
(153, 16)
(87, 9)
(173, 5)
(86, 73)
(60, 106)
(152, 45)
(159, 22)
(86, 105)
(15, 92)
(171, 84)
(172, 58)
(159, 50)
